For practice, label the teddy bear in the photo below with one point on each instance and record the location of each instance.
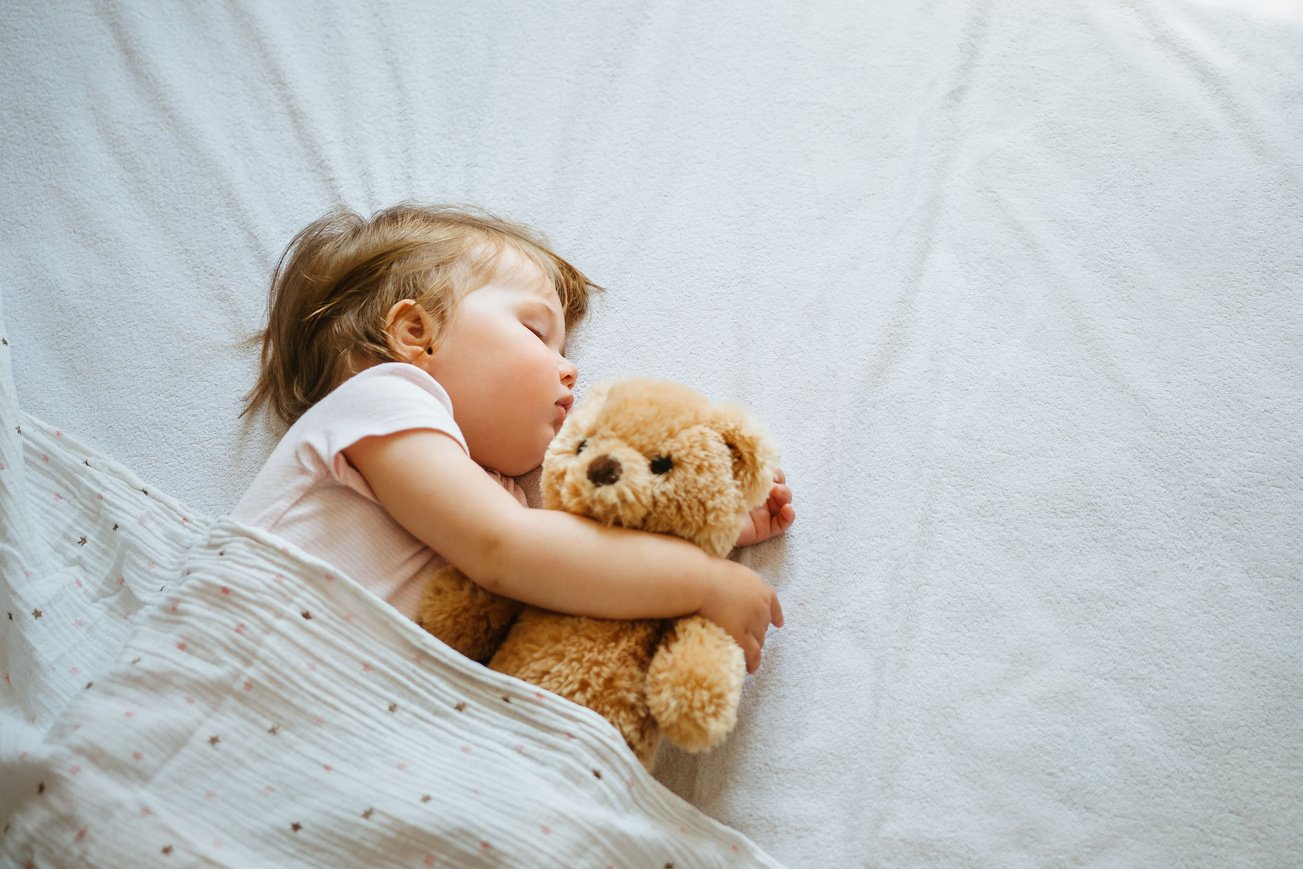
(645, 454)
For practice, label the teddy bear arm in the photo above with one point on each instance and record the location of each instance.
(465, 616)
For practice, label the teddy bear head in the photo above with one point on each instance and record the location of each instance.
(657, 456)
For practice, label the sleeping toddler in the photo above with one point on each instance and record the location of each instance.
(418, 360)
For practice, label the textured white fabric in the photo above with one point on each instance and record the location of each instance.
(309, 494)
(193, 690)
(1016, 287)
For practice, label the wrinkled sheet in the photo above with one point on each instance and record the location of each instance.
(1016, 288)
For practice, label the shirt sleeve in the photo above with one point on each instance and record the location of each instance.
(382, 400)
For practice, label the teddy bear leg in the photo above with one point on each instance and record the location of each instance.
(464, 615)
(695, 682)
(597, 663)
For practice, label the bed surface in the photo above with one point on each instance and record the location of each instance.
(1017, 290)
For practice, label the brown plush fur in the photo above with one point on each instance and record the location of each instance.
(678, 678)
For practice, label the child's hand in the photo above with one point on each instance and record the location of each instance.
(740, 602)
(771, 518)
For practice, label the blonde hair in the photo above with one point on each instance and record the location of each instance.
(338, 278)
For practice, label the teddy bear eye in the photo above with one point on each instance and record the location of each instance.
(661, 464)
(579, 449)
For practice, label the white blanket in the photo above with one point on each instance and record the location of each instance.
(1016, 287)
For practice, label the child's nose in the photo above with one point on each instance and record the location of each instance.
(569, 373)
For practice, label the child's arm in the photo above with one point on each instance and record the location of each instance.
(550, 558)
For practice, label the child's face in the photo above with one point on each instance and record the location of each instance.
(501, 362)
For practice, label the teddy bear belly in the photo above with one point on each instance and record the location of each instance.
(597, 663)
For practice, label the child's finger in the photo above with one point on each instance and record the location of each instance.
(778, 497)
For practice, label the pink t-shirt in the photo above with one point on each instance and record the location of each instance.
(309, 494)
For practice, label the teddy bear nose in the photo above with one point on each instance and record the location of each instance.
(604, 470)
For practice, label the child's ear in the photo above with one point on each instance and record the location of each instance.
(409, 330)
(753, 457)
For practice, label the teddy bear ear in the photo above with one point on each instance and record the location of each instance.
(754, 458)
(589, 405)
(595, 395)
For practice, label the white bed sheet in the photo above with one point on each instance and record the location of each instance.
(1017, 289)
